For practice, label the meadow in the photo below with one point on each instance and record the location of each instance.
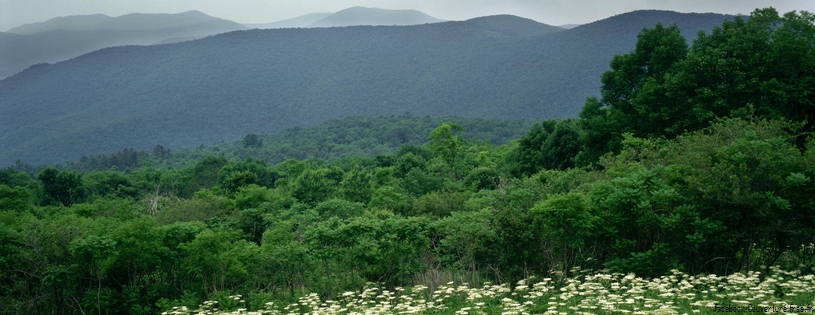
(771, 290)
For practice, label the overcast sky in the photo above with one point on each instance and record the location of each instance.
(557, 12)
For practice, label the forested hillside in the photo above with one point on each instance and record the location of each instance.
(358, 136)
(63, 38)
(717, 216)
(263, 81)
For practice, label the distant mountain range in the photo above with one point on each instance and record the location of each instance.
(128, 22)
(353, 16)
(262, 81)
(67, 37)
(373, 16)
(300, 21)
(63, 38)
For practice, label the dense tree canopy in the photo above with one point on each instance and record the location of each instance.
(757, 65)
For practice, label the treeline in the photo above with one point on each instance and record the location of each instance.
(734, 195)
(328, 141)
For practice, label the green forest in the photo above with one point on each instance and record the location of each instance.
(687, 187)
(226, 86)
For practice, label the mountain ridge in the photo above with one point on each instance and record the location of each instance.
(355, 16)
(129, 22)
(262, 81)
(50, 43)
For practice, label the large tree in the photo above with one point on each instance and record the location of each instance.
(762, 65)
(633, 93)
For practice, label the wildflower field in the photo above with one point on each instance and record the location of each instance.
(775, 291)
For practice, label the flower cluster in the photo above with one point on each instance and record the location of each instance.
(585, 293)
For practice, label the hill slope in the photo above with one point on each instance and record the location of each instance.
(68, 37)
(509, 25)
(262, 81)
(374, 16)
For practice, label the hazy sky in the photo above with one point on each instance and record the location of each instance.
(17, 12)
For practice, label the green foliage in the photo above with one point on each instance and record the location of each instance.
(387, 250)
(314, 186)
(161, 152)
(252, 141)
(633, 99)
(446, 145)
(731, 197)
(203, 175)
(101, 184)
(220, 258)
(388, 198)
(239, 179)
(468, 68)
(566, 219)
(16, 199)
(746, 67)
(121, 160)
(198, 208)
(439, 204)
(253, 196)
(468, 237)
(340, 208)
(758, 63)
(483, 178)
(549, 145)
(356, 186)
(266, 176)
(61, 187)
(418, 182)
(13, 178)
(407, 162)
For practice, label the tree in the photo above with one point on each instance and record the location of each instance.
(761, 66)
(219, 259)
(17, 199)
(340, 208)
(63, 187)
(446, 145)
(757, 66)
(388, 198)
(314, 186)
(204, 174)
(550, 144)
(13, 178)
(252, 141)
(236, 180)
(97, 254)
(356, 186)
(161, 152)
(568, 226)
(632, 94)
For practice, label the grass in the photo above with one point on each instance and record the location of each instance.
(773, 291)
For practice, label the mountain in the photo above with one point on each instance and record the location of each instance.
(510, 25)
(63, 38)
(300, 21)
(131, 22)
(352, 17)
(374, 16)
(262, 81)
